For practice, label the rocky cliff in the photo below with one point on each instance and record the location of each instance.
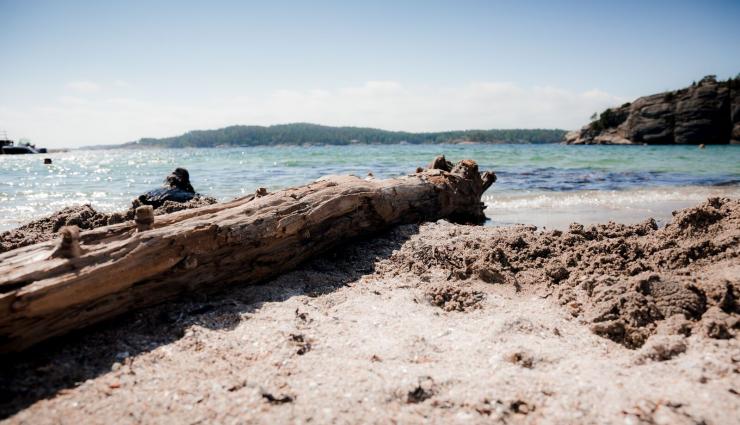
(708, 112)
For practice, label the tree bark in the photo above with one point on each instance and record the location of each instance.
(51, 288)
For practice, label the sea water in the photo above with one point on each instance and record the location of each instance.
(545, 185)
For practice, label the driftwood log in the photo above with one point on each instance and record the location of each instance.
(51, 288)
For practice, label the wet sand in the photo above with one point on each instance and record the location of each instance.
(439, 323)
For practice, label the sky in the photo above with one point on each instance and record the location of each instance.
(78, 73)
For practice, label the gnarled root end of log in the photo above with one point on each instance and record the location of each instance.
(468, 209)
(489, 178)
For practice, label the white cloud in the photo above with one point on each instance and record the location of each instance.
(75, 121)
(374, 88)
(73, 100)
(83, 86)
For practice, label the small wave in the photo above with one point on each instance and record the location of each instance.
(727, 183)
(606, 199)
(559, 209)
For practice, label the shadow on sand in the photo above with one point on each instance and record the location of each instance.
(68, 361)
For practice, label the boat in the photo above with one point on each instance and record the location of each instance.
(8, 147)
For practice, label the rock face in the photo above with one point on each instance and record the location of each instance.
(708, 112)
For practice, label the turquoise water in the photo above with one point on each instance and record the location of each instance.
(546, 185)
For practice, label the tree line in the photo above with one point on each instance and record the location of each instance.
(312, 134)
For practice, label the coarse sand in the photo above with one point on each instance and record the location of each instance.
(437, 323)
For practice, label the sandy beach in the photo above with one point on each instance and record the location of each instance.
(326, 212)
(436, 323)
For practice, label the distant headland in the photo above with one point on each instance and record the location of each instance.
(314, 134)
(707, 112)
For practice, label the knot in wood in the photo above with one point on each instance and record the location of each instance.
(19, 304)
(144, 218)
(69, 246)
(190, 262)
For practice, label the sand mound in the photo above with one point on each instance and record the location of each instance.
(85, 217)
(624, 281)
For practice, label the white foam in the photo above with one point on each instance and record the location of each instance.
(559, 209)
(604, 198)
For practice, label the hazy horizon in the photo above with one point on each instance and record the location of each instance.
(82, 73)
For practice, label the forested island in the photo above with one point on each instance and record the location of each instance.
(313, 134)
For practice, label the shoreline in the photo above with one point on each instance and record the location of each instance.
(607, 323)
(545, 209)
